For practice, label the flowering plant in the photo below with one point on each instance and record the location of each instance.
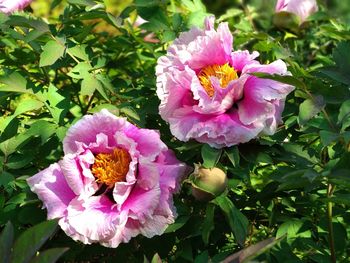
(258, 102)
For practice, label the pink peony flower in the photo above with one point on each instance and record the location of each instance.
(9, 6)
(207, 91)
(301, 8)
(115, 181)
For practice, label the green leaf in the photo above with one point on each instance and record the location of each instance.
(341, 56)
(251, 252)
(237, 221)
(79, 52)
(203, 257)
(15, 82)
(233, 154)
(89, 84)
(52, 51)
(327, 138)
(82, 2)
(30, 241)
(28, 104)
(194, 6)
(59, 104)
(197, 18)
(344, 114)
(310, 108)
(179, 222)
(208, 224)
(130, 112)
(293, 228)
(80, 70)
(5, 179)
(210, 156)
(49, 256)
(6, 241)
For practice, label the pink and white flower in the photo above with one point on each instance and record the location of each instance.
(9, 6)
(207, 92)
(115, 181)
(301, 8)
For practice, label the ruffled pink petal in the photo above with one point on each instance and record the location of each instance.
(199, 48)
(121, 192)
(258, 93)
(148, 175)
(218, 131)
(153, 226)
(242, 59)
(76, 170)
(223, 99)
(52, 188)
(141, 203)
(272, 122)
(148, 142)
(86, 130)
(92, 219)
(171, 171)
(177, 86)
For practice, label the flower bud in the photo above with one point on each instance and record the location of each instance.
(286, 20)
(302, 9)
(208, 183)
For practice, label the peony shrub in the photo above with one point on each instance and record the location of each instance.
(222, 139)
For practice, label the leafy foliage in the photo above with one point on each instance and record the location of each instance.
(293, 186)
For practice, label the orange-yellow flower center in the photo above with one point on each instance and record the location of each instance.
(110, 168)
(224, 73)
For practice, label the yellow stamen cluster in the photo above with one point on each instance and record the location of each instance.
(225, 74)
(110, 168)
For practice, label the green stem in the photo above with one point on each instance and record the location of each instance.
(330, 191)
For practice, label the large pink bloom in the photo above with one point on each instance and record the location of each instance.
(301, 8)
(207, 91)
(115, 181)
(9, 6)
